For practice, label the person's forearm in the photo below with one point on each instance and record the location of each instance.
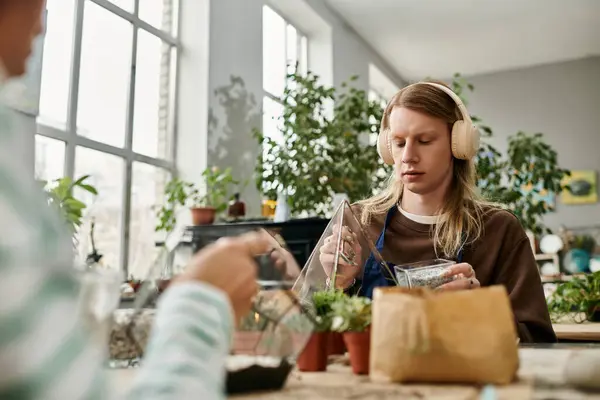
(189, 344)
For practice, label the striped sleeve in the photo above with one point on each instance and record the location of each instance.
(185, 358)
(44, 351)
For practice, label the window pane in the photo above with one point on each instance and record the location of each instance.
(56, 64)
(272, 111)
(125, 4)
(162, 14)
(49, 158)
(147, 186)
(292, 48)
(106, 174)
(154, 85)
(104, 76)
(274, 54)
(303, 67)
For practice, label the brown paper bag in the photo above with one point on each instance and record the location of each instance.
(420, 335)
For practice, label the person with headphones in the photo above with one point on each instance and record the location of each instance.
(431, 209)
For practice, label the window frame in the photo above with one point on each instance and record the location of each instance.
(72, 140)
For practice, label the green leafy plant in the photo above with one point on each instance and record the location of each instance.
(322, 302)
(61, 195)
(524, 178)
(351, 314)
(575, 298)
(324, 146)
(179, 193)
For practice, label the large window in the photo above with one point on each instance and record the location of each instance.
(284, 47)
(107, 110)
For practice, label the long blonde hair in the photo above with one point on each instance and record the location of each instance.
(464, 207)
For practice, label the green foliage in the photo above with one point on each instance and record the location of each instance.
(322, 302)
(580, 295)
(323, 148)
(522, 179)
(351, 314)
(60, 195)
(180, 193)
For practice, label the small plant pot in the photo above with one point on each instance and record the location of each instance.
(203, 215)
(335, 344)
(314, 356)
(359, 348)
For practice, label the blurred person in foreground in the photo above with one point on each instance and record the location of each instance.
(45, 352)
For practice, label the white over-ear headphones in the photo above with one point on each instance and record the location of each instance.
(465, 135)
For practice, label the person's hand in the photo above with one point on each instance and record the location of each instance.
(464, 278)
(228, 265)
(349, 256)
(283, 259)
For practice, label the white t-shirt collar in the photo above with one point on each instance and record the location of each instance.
(422, 219)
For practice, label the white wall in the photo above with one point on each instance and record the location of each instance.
(235, 49)
(560, 100)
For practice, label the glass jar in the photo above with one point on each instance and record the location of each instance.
(429, 273)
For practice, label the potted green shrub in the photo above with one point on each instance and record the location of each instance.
(575, 298)
(314, 356)
(203, 207)
(352, 317)
(323, 301)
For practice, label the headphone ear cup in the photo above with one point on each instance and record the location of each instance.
(465, 140)
(384, 147)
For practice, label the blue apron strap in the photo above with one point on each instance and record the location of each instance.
(459, 256)
(381, 239)
(373, 276)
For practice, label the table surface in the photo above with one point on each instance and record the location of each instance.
(587, 331)
(540, 377)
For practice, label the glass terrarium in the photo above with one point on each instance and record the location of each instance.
(270, 337)
(338, 260)
(429, 273)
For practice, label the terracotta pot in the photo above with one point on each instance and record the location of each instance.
(314, 356)
(203, 215)
(359, 348)
(335, 344)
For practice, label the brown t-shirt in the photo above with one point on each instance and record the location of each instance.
(503, 255)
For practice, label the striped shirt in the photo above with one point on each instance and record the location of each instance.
(45, 352)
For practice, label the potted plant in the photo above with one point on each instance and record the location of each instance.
(575, 298)
(352, 317)
(203, 207)
(322, 302)
(314, 356)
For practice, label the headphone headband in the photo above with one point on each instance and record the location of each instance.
(465, 136)
(461, 107)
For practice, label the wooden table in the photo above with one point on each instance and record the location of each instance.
(586, 332)
(540, 377)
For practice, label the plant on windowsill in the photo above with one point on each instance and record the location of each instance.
(323, 148)
(60, 194)
(203, 207)
(352, 317)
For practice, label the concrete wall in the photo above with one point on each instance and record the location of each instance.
(560, 100)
